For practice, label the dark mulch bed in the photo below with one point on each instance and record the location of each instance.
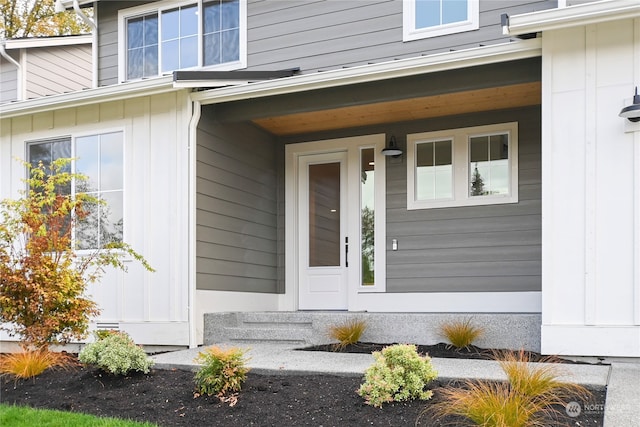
(167, 398)
(439, 350)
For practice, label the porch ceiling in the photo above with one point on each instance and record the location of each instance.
(487, 99)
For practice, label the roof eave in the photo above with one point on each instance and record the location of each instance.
(571, 16)
(88, 96)
(33, 42)
(511, 51)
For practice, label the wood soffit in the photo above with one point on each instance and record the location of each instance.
(478, 100)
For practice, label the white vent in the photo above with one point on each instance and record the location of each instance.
(108, 326)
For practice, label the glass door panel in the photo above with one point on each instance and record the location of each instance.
(324, 215)
(367, 215)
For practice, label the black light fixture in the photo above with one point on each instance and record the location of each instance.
(632, 112)
(392, 148)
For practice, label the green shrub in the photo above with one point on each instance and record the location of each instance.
(347, 332)
(222, 371)
(116, 353)
(399, 373)
(461, 333)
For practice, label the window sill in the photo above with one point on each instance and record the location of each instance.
(480, 201)
(411, 34)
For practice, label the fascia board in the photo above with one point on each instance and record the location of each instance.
(68, 4)
(571, 16)
(47, 42)
(88, 96)
(375, 72)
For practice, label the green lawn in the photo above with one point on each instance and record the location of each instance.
(20, 416)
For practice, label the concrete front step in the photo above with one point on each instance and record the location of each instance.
(274, 317)
(502, 330)
(272, 327)
(290, 334)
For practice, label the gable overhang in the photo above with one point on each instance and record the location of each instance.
(571, 16)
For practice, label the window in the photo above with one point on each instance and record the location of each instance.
(463, 167)
(430, 18)
(142, 47)
(221, 32)
(179, 38)
(162, 37)
(100, 158)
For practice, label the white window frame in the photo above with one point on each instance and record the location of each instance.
(461, 167)
(410, 32)
(161, 6)
(72, 139)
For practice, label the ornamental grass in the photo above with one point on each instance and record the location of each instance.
(347, 333)
(532, 396)
(31, 363)
(461, 333)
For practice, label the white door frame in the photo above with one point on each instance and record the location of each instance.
(352, 145)
(322, 287)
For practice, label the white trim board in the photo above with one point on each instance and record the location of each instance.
(451, 302)
(580, 340)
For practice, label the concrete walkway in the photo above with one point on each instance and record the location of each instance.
(622, 408)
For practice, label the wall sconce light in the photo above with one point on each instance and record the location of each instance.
(392, 148)
(632, 112)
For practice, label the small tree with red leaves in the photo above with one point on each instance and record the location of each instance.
(42, 280)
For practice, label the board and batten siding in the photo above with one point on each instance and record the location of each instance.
(59, 69)
(238, 242)
(151, 306)
(591, 198)
(324, 35)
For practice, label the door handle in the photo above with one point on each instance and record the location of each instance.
(346, 252)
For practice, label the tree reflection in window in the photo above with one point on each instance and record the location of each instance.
(100, 158)
(367, 218)
(489, 161)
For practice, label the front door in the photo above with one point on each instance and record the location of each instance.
(323, 238)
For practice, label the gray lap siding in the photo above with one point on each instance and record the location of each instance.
(491, 248)
(324, 35)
